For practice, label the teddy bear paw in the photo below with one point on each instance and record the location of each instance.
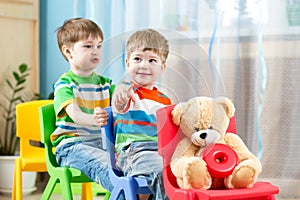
(196, 176)
(244, 177)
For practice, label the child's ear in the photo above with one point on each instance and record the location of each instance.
(127, 62)
(164, 65)
(66, 51)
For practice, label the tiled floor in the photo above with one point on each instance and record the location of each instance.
(36, 195)
(41, 185)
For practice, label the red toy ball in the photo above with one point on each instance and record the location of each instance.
(220, 159)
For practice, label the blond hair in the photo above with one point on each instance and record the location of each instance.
(148, 39)
(76, 29)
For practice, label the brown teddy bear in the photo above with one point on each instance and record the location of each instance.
(204, 121)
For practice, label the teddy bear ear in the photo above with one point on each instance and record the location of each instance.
(227, 104)
(177, 113)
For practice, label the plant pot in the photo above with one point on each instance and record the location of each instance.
(7, 164)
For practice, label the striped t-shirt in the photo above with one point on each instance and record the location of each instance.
(88, 93)
(138, 123)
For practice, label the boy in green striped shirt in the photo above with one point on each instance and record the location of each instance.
(79, 96)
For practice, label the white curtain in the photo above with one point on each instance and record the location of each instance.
(247, 50)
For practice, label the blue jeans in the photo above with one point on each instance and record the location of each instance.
(142, 159)
(89, 157)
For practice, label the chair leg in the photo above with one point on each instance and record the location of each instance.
(17, 181)
(13, 195)
(126, 187)
(49, 188)
(115, 193)
(130, 191)
(66, 186)
(86, 191)
(107, 196)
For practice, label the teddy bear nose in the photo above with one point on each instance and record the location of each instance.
(203, 136)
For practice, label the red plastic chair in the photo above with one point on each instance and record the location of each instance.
(169, 135)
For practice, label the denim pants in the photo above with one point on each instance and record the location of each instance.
(142, 159)
(89, 157)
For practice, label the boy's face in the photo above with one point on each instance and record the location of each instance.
(144, 67)
(84, 56)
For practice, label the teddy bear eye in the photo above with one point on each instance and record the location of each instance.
(210, 127)
(197, 129)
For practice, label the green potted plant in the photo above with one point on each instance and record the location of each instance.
(14, 92)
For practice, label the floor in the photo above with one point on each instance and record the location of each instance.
(36, 195)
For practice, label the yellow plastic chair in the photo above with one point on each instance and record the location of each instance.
(63, 175)
(32, 158)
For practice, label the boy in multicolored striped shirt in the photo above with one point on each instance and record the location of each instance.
(135, 104)
(79, 96)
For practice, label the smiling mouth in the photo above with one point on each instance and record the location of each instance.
(143, 74)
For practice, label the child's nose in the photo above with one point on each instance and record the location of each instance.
(144, 64)
(96, 50)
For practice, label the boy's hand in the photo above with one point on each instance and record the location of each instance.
(100, 116)
(122, 97)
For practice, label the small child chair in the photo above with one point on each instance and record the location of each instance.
(130, 186)
(32, 157)
(63, 175)
(169, 135)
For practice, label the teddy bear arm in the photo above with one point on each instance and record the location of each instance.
(246, 172)
(183, 152)
(238, 145)
(178, 166)
(244, 154)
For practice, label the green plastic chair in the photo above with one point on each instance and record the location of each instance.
(63, 175)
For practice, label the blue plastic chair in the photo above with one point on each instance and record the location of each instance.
(130, 186)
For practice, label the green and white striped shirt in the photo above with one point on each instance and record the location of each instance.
(88, 92)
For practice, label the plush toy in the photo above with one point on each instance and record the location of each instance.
(204, 121)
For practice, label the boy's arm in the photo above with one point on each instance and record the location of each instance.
(99, 118)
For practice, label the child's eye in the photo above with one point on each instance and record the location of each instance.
(152, 60)
(99, 46)
(136, 59)
(88, 46)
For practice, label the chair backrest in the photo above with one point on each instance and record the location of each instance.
(47, 125)
(27, 125)
(109, 144)
(170, 134)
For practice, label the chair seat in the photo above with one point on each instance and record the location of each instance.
(37, 167)
(261, 190)
(143, 186)
(77, 174)
(34, 163)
